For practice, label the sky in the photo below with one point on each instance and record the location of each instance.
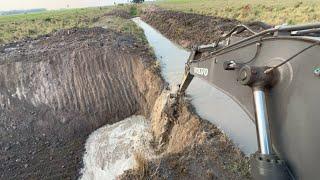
(53, 4)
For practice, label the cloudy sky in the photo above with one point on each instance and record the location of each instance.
(53, 4)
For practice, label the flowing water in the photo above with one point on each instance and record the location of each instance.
(210, 103)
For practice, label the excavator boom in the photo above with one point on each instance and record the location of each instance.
(274, 75)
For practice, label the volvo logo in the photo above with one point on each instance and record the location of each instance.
(201, 71)
(316, 71)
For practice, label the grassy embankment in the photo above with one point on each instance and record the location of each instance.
(269, 11)
(16, 27)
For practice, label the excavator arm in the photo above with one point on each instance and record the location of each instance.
(274, 75)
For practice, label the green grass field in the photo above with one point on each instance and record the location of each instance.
(270, 11)
(16, 27)
(121, 25)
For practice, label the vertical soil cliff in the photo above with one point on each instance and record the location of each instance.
(58, 88)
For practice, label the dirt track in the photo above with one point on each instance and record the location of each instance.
(57, 89)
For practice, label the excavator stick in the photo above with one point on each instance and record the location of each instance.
(274, 75)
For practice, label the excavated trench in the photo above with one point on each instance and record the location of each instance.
(57, 89)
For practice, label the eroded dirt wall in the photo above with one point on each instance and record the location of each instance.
(57, 89)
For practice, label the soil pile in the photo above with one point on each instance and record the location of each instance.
(125, 14)
(58, 88)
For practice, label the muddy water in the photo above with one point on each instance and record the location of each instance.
(210, 103)
(110, 149)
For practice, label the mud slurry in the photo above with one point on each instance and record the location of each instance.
(110, 150)
(57, 89)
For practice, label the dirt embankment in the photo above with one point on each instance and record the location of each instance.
(188, 29)
(57, 89)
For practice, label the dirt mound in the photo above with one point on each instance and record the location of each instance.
(57, 89)
(125, 14)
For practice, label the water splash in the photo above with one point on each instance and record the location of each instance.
(110, 150)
